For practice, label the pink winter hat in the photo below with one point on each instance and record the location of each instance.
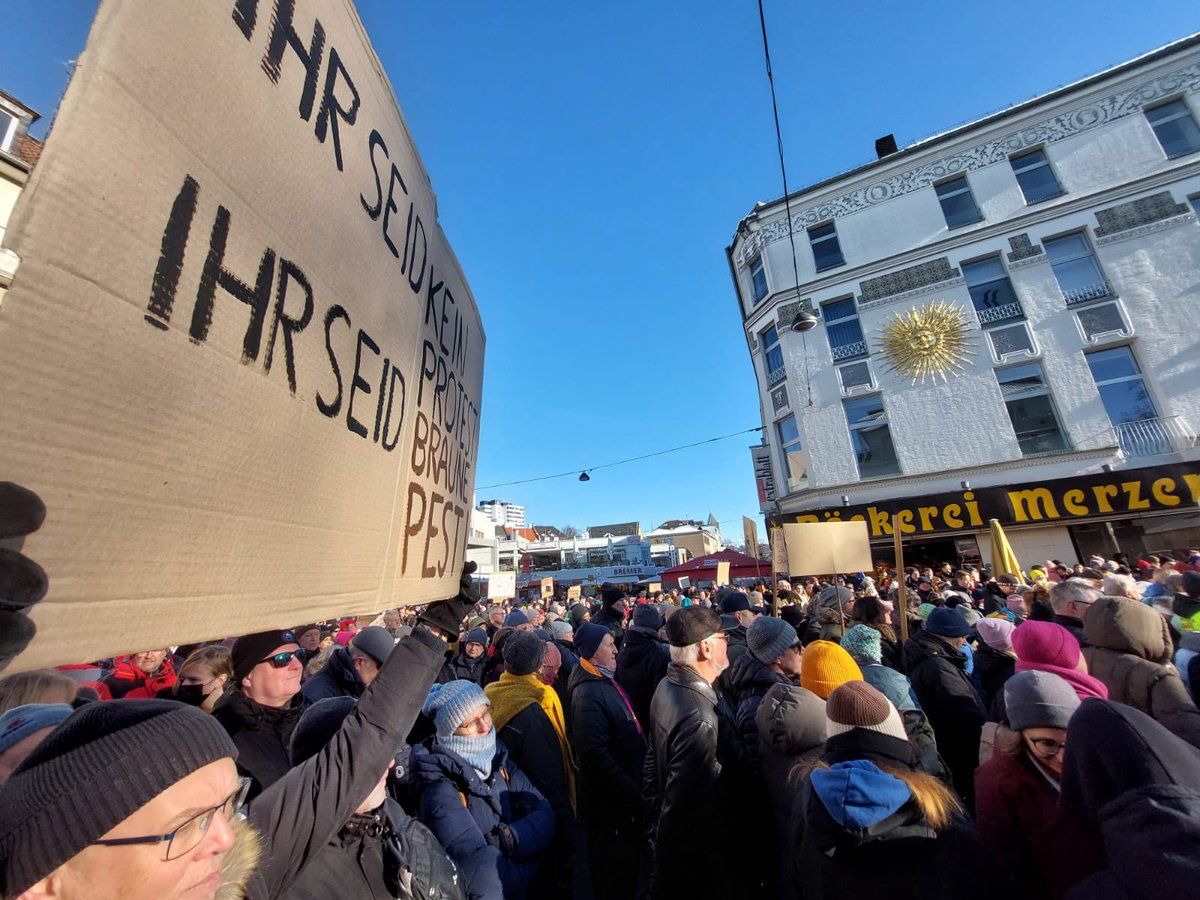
(996, 633)
(1048, 647)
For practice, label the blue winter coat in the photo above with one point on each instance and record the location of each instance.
(461, 809)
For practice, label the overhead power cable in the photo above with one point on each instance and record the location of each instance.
(619, 462)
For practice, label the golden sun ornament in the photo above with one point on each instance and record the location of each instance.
(927, 341)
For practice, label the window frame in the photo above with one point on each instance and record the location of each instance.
(884, 420)
(1186, 111)
(1042, 391)
(755, 297)
(1089, 252)
(965, 189)
(828, 322)
(1006, 277)
(1138, 375)
(832, 235)
(767, 349)
(793, 484)
(1017, 157)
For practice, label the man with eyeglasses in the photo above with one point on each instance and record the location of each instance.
(264, 705)
(140, 801)
(1070, 600)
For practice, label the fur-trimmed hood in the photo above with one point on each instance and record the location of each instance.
(237, 868)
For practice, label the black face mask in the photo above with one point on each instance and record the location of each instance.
(191, 694)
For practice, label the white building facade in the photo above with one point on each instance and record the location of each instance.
(501, 512)
(1065, 231)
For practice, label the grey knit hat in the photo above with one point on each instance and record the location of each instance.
(101, 765)
(768, 638)
(1037, 699)
(560, 630)
(449, 704)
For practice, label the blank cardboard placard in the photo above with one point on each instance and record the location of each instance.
(826, 548)
(684, 582)
(750, 534)
(502, 585)
(241, 364)
(722, 576)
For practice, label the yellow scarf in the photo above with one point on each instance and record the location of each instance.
(512, 693)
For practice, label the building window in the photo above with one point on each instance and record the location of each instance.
(871, 437)
(758, 278)
(958, 203)
(1031, 409)
(1195, 201)
(772, 354)
(991, 291)
(8, 127)
(795, 461)
(1037, 180)
(1076, 269)
(1121, 385)
(1175, 128)
(827, 252)
(842, 330)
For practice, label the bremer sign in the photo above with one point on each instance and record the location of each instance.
(241, 364)
(1108, 495)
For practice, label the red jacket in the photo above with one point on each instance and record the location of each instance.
(1017, 813)
(128, 682)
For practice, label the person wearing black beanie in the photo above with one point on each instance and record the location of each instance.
(612, 612)
(138, 800)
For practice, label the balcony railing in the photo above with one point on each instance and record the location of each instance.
(849, 351)
(774, 376)
(1089, 292)
(990, 315)
(1151, 437)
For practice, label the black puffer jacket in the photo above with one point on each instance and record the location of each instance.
(641, 665)
(751, 680)
(992, 669)
(302, 817)
(262, 735)
(682, 782)
(613, 621)
(461, 667)
(610, 748)
(938, 674)
(337, 678)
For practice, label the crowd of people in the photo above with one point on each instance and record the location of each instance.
(992, 735)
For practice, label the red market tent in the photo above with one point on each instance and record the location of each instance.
(704, 568)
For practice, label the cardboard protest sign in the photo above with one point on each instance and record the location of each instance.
(547, 587)
(241, 364)
(827, 548)
(779, 557)
(573, 592)
(654, 587)
(750, 533)
(722, 576)
(684, 582)
(502, 585)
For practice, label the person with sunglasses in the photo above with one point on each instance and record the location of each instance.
(262, 708)
(143, 801)
(1017, 790)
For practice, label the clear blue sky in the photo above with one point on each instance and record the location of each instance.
(592, 161)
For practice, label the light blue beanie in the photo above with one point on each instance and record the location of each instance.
(863, 644)
(449, 704)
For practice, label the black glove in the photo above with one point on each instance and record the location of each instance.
(447, 615)
(502, 836)
(22, 581)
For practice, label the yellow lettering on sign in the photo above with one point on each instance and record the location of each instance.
(807, 519)
(952, 518)
(1073, 502)
(1161, 490)
(926, 512)
(1193, 483)
(1133, 490)
(1104, 493)
(880, 521)
(972, 508)
(1033, 505)
(904, 521)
